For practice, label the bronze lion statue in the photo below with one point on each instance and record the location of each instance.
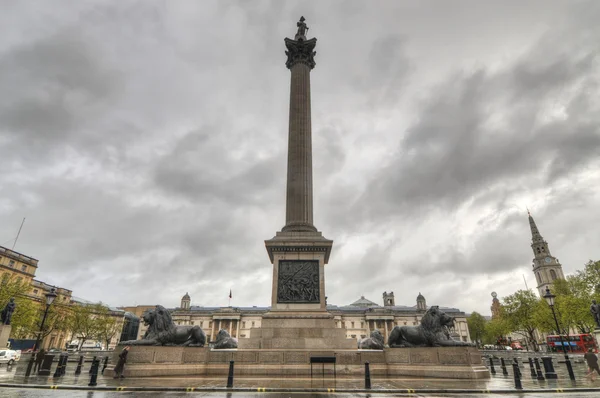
(375, 342)
(432, 332)
(224, 340)
(162, 331)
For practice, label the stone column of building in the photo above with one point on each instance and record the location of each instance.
(546, 267)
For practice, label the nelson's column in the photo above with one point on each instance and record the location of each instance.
(299, 252)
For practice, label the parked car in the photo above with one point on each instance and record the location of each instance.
(9, 356)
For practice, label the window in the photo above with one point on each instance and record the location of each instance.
(11, 263)
(244, 325)
(192, 322)
(201, 324)
(552, 274)
(352, 325)
(35, 291)
(210, 324)
(23, 268)
(362, 325)
(252, 323)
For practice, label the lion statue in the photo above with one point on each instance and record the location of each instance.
(162, 331)
(432, 332)
(224, 340)
(375, 342)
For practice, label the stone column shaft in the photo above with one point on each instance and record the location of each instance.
(299, 211)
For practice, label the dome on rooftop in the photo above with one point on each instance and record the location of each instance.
(363, 302)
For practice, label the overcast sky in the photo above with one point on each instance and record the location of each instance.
(145, 142)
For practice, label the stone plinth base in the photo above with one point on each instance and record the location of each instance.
(302, 332)
(596, 333)
(443, 362)
(4, 335)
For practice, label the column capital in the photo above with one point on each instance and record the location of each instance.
(300, 51)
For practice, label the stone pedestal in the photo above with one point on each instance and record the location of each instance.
(440, 362)
(300, 332)
(4, 335)
(596, 334)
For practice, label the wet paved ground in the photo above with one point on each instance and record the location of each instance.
(397, 386)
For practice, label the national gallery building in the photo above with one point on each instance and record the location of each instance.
(359, 318)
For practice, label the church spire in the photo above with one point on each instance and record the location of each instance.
(546, 267)
(535, 233)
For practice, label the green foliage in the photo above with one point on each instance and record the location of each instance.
(476, 324)
(24, 318)
(82, 322)
(108, 327)
(92, 322)
(521, 311)
(495, 329)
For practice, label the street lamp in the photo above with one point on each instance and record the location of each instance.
(49, 299)
(550, 300)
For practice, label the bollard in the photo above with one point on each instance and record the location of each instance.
(569, 368)
(58, 366)
(64, 366)
(517, 375)
(549, 371)
(30, 365)
(105, 364)
(367, 376)
(516, 361)
(79, 364)
(532, 369)
(503, 365)
(94, 372)
(492, 369)
(230, 376)
(540, 376)
(93, 359)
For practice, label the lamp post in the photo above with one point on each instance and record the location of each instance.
(49, 299)
(550, 300)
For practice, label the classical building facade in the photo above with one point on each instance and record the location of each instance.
(359, 319)
(546, 267)
(22, 268)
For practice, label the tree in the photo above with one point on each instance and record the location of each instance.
(495, 329)
(108, 327)
(82, 322)
(476, 324)
(24, 318)
(521, 312)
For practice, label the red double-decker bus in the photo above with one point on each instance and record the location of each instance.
(574, 343)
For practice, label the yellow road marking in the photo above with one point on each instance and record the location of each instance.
(54, 387)
(189, 389)
(120, 388)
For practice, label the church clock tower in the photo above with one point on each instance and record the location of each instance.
(545, 266)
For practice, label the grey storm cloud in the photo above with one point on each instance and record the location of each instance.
(146, 143)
